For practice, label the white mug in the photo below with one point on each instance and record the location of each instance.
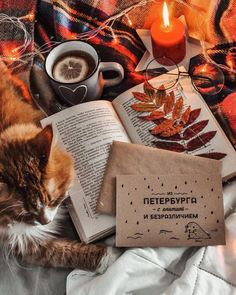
(92, 86)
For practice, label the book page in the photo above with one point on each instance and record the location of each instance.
(203, 136)
(87, 131)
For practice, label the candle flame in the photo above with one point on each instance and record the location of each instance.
(165, 15)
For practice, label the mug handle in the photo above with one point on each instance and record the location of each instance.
(112, 66)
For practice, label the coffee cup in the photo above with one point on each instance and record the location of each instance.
(75, 71)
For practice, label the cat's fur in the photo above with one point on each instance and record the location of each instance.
(35, 175)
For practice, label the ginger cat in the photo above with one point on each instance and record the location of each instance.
(35, 175)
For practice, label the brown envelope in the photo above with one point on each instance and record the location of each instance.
(169, 210)
(134, 159)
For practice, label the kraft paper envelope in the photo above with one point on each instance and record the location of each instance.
(133, 159)
(169, 210)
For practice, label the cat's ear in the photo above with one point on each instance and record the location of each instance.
(42, 143)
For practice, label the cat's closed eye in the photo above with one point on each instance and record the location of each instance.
(28, 176)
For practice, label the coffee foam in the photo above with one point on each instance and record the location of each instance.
(70, 69)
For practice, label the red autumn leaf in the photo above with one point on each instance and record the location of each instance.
(215, 156)
(172, 131)
(185, 116)
(143, 107)
(200, 140)
(193, 116)
(162, 88)
(194, 129)
(169, 103)
(155, 115)
(177, 108)
(160, 96)
(149, 90)
(176, 137)
(141, 96)
(162, 126)
(170, 146)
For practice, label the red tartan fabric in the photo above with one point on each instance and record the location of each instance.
(65, 19)
(11, 36)
(60, 20)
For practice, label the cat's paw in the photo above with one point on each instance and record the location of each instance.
(109, 258)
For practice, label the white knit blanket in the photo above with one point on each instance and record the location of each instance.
(169, 271)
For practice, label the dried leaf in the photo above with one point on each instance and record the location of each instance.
(155, 115)
(162, 126)
(193, 116)
(143, 107)
(215, 156)
(172, 130)
(194, 129)
(160, 96)
(141, 96)
(200, 140)
(159, 121)
(157, 112)
(169, 103)
(185, 115)
(162, 88)
(149, 90)
(176, 137)
(177, 108)
(170, 146)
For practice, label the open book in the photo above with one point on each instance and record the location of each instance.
(87, 131)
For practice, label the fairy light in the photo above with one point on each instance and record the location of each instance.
(23, 58)
(115, 39)
(12, 58)
(29, 16)
(73, 36)
(129, 20)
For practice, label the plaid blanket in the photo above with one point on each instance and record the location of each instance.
(47, 21)
(223, 105)
(63, 20)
